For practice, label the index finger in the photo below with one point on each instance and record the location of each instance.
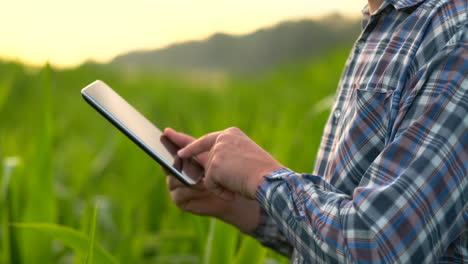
(178, 138)
(199, 146)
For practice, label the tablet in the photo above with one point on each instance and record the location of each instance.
(139, 129)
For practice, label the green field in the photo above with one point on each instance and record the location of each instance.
(75, 190)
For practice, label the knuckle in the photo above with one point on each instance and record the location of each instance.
(233, 129)
(234, 133)
(219, 147)
(222, 137)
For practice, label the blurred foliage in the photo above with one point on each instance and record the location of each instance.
(60, 158)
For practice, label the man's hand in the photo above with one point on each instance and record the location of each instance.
(235, 163)
(240, 212)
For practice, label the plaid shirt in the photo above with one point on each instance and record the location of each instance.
(390, 182)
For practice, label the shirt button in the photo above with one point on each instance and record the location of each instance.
(359, 45)
(336, 116)
(276, 176)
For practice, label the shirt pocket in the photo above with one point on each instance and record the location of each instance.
(371, 115)
(363, 133)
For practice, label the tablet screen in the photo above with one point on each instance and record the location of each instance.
(135, 126)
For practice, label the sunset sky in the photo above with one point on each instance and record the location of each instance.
(67, 32)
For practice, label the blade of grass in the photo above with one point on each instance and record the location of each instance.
(221, 243)
(209, 242)
(89, 258)
(40, 203)
(8, 166)
(74, 239)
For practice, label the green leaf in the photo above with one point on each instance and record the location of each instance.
(76, 240)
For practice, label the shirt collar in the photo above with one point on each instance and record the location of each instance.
(401, 4)
(397, 4)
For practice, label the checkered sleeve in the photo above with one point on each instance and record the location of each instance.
(413, 201)
(268, 234)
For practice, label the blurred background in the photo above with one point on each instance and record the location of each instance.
(75, 190)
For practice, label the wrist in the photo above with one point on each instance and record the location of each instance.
(257, 180)
(243, 214)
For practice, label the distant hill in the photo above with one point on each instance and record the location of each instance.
(286, 42)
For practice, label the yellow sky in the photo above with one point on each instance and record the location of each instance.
(67, 32)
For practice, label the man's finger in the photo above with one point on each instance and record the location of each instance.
(179, 139)
(199, 146)
(173, 182)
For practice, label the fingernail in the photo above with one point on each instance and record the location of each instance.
(180, 152)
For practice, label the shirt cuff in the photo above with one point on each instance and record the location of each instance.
(266, 223)
(273, 181)
(267, 231)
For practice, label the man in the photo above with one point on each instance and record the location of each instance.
(390, 181)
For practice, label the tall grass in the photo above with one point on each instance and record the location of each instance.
(9, 251)
(92, 236)
(72, 158)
